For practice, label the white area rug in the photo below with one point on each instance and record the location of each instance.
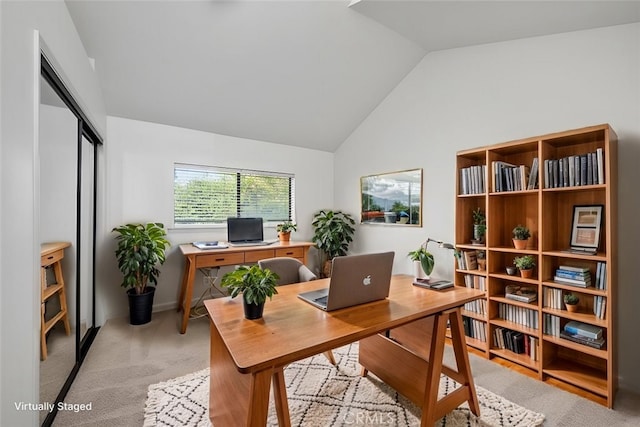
(323, 395)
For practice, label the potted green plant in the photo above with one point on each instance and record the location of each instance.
(479, 226)
(520, 236)
(423, 262)
(284, 230)
(571, 302)
(525, 264)
(332, 234)
(255, 284)
(140, 250)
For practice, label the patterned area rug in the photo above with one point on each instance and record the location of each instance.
(323, 395)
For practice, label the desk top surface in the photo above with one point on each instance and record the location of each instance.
(292, 329)
(49, 247)
(189, 249)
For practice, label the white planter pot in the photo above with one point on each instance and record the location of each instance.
(418, 272)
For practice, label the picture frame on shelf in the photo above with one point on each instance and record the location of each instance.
(585, 228)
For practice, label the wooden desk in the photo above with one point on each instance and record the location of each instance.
(247, 355)
(197, 258)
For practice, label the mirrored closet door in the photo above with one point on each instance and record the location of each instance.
(68, 149)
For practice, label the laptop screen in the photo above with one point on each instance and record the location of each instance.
(244, 229)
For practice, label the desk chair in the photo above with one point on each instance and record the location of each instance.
(291, 270)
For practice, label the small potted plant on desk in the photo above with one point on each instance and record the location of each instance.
(141, 248)
(284, 230)
(525, 264)
(255, 284)
(520, 236)
(571, 302)
(423, 262)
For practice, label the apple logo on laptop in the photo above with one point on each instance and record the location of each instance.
(367, 280)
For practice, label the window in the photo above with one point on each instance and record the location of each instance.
(205, 195)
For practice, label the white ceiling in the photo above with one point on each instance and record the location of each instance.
(303, 73)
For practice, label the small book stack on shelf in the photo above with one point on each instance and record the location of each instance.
(510, 177)
(475, 282)
(574, 276)
(472, 180)
(474, 328)
(520, 315)
(583, 333)
(573, 171)
(516, 342)
(467, 260)
(521, 293)
(553, 298)
(478, 306)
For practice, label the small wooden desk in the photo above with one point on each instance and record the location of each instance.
(198, 258)
(246, 355)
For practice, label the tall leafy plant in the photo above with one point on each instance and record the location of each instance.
(141, 249)
(333, 232)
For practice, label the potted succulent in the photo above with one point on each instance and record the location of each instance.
(525, 264)
(255, 284)
(333, 231)
(284, 230)
(140, 250)
(571, 302)
(423, 262)
(479, 226)
(520, 236)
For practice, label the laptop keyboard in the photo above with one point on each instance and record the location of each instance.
(322, 300)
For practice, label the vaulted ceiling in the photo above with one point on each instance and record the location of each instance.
(303, 73)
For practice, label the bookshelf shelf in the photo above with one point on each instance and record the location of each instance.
(521, 359)
(536, 182)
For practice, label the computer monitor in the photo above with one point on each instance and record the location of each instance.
(244, 230)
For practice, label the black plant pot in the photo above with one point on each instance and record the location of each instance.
(140, 306)
(252, 311)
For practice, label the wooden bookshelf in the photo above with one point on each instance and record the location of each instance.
(547, 210)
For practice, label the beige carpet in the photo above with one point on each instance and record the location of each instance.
(124, 360)
(320, 394)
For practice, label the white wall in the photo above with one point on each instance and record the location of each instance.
(139, 167)
(469, 97)
(20, 243)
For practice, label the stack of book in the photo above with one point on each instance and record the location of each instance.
(583, 333)
(571, 171)
(472, 179)
(601, 276)
(516, 342)
(599, 306)
(510, 177)
(520, 315)
(467, 260)
(521, 293)
(574, 276)
(474, 328)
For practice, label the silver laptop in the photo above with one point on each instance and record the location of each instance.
(355, 279)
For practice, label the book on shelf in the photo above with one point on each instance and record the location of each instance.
(470, 260)
(573, 275)
(580, 339)
(575, 170)
(572, 282)
(573, 269)
(601, 276)
(599, 306)
(521, 293)
(584, 329)
(533, 175)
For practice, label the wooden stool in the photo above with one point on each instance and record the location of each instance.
(50, 256)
